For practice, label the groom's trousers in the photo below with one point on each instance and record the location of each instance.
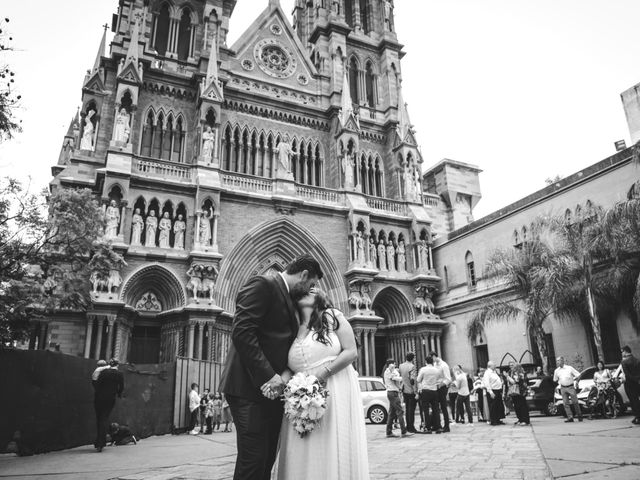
(257, 430)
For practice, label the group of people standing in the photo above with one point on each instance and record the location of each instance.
(437, 388)
(208, 411)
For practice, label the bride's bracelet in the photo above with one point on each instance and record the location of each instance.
(328, 370)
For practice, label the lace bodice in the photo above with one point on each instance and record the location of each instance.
(308, 353)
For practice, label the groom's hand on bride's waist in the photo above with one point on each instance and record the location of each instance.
(273, 388)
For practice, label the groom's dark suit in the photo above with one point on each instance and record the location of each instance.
(264, 327)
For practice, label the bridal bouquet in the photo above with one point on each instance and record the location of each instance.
(305, 402)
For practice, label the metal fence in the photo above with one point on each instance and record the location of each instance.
(206, 374)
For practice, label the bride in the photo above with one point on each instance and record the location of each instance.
(337, 448)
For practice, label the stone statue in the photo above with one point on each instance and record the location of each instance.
(347, 169)
(98, 281)
(165, 231)
(382, 255)
(388, 14)
(122, 130)
(209, 276)
(208, 143)
(423, 254)
(152, 228)
(205, 228)
(366, 298)
(137, 225)
(391, 254)
(86, 142)
(417, 184)
(373, 252)
(360, 249)
(355, 298)
(112, 220)
(402, 257)
(194, 273)
(285, 153)
(179, 226)
(114, 281)
(423, 300)
(409, 186)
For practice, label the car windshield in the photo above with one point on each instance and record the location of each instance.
(588, 374)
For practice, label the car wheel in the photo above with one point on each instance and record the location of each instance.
(377, 415)
(550, 409)
(560, 409)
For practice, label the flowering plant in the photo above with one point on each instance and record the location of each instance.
(305, 402)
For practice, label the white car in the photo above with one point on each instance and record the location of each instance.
(374, 399)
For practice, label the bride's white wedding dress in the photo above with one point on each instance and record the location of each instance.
(337, 448)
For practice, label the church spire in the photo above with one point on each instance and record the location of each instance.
(347, 104)
(404, 123)
(101, 50)
(132, 51)
(212, 67)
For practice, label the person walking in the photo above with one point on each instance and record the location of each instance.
(517, 390)
(409, 390)
(631, 368)
(493, 383)
(110, 384)
(194, 409)
(429, 379)
(393, 382)
(463, 400)
(566, 376)
(443, 388)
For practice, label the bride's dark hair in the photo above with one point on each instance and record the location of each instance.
(323, 320)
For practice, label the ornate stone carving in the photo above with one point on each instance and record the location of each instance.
(402, 257)
(165, 231)
(86, 142)
(373, 252)
(347, 169)
(423, 301)
(359, 297)
(202, 281)
(285, 154)
(205, 228)
(423, 255)
(391, 254)
(148, 303)
(121, 130)
(137, 225)
(208, 143)
(152, 228)
(112, 220)
(382, 255)
(179, 227)
(360, 256)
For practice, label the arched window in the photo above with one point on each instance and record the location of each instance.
(368, 81)
(184, 35)
(363, 174)
(178, 141)
(364, 16)
(471, 270)
(318, 167)
(166, 139)
(516, 238)
(161, 30)
(353, 80)
(379, 178)
(348, 12)
(226, 149)
(147, 136)
(158, 137)
(370, 177)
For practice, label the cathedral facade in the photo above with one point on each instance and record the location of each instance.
(217, 162)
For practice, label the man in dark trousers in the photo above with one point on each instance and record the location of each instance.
(631, 369)
(109, 384)
(264, 327)
(409, 373)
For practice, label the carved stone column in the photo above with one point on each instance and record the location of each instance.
(190, 340)
(87, 341)
(439, 345)
(111, 319)
(98, 350)
(200, 329)
(216, 215)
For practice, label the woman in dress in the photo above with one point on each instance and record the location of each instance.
(601, 379)
(517, 388)
(337, 448)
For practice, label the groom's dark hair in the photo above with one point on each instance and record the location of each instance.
(305, 262)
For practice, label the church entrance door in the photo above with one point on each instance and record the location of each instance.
(145, 344)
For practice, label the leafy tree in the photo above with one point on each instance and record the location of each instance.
(47, 247)
(9, 99)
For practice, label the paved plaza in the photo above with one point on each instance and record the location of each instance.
(602, 449)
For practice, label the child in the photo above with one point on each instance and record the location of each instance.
(121, 435)
(208, 414)
(194, 408)
(226, 415)
(203, 407)
(216, 406)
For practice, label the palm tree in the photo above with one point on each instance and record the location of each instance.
(539, 276)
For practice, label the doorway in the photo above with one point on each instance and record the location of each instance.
(381, 354)
(482, 356)
(145, 344)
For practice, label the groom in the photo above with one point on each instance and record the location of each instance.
(264, 327)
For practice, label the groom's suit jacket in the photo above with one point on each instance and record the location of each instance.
(264, 327)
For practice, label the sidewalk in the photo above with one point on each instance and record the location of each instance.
(602, 449)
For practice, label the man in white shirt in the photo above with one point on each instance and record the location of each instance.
(409, 390)
(493, 383)
(443, 388)
(430, 378)
(393, 382)
(566, 376)
(194, 408)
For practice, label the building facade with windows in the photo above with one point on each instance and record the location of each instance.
(218, 162)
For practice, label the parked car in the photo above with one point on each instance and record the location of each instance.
(585, 384)
(374, 399)
(540, 395)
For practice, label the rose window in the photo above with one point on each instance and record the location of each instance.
(275, 58)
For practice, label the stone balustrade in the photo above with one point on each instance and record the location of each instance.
(386, 205)
(317, 194)
(161, 169)
(247, 183)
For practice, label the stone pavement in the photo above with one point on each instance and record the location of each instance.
(580, 451)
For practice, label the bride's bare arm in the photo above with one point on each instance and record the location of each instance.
(349, 351)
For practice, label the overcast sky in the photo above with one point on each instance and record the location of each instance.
(525, 89)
